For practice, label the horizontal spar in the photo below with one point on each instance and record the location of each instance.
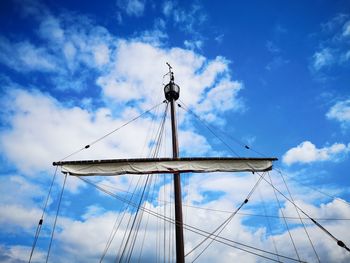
(164, 165)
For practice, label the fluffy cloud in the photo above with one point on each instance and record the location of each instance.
(96, 228)
(132, 7)
(86, 56)
(346, 29)
(20, 218)
(86, 237)
(306, 152)
(340, 112)
(322, 59)
(205, 84)
(24, 56)
(333, 48)
(19, 254)
(42, 130)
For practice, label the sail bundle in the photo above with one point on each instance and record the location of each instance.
(164, 165)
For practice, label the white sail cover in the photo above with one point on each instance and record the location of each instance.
(165, 165)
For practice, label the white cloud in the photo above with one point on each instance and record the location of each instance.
(168, 7)
(306, 152)
(51, 29)
(132, 7)
(333, 47)
(188, 20)
(333, 209)
(25, 190)
(25, 56)
(193, 44)
(19, 254)
(42, 130)
(334, 23)
(193, 143)
(23, 218)
(346, 56)
(322, 59)
(340, 112)
(205, 84)
(127, 70)
(73, 49)
(155, 36)
(219, 38)
(86, 238)
(101, 54)
(346, 29)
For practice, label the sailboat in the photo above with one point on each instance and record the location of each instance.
(177, 166)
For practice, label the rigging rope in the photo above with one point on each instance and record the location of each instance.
(137, 218)
(315, 189)
(239, 142)
(111, 132)
(54, 224)
(339, 242)
(224, 224)
(306, 232)
(208, 127)
(190, 228)
(268, 223)
(129, 220)
(144, 234)
(229, 212)
(249, 147)
(115, 229)
(41, 220)
(284, 220)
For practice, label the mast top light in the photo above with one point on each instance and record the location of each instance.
(171, 90)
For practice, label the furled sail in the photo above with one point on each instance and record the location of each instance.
(164, 165)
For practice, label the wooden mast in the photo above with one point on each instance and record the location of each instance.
(172, 92)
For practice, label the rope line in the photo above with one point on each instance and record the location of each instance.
(190, 228)
(304, 227)
(111, 132)
(268, 224)
(54, 225)
(41, 220)
(209, 128)
(315, 189)
(115, 229)
(339, 242)
(229, 212)
(138, 216)
(224, 224)
(284, 220)
(249, 147)
(243, 203)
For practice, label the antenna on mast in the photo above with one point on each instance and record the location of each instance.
(170, 67)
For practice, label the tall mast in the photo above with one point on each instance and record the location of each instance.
(172, 93)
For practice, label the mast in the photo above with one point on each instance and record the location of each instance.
(172, 93)
(175, 165)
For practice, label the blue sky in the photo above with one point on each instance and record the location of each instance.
(272, 75)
